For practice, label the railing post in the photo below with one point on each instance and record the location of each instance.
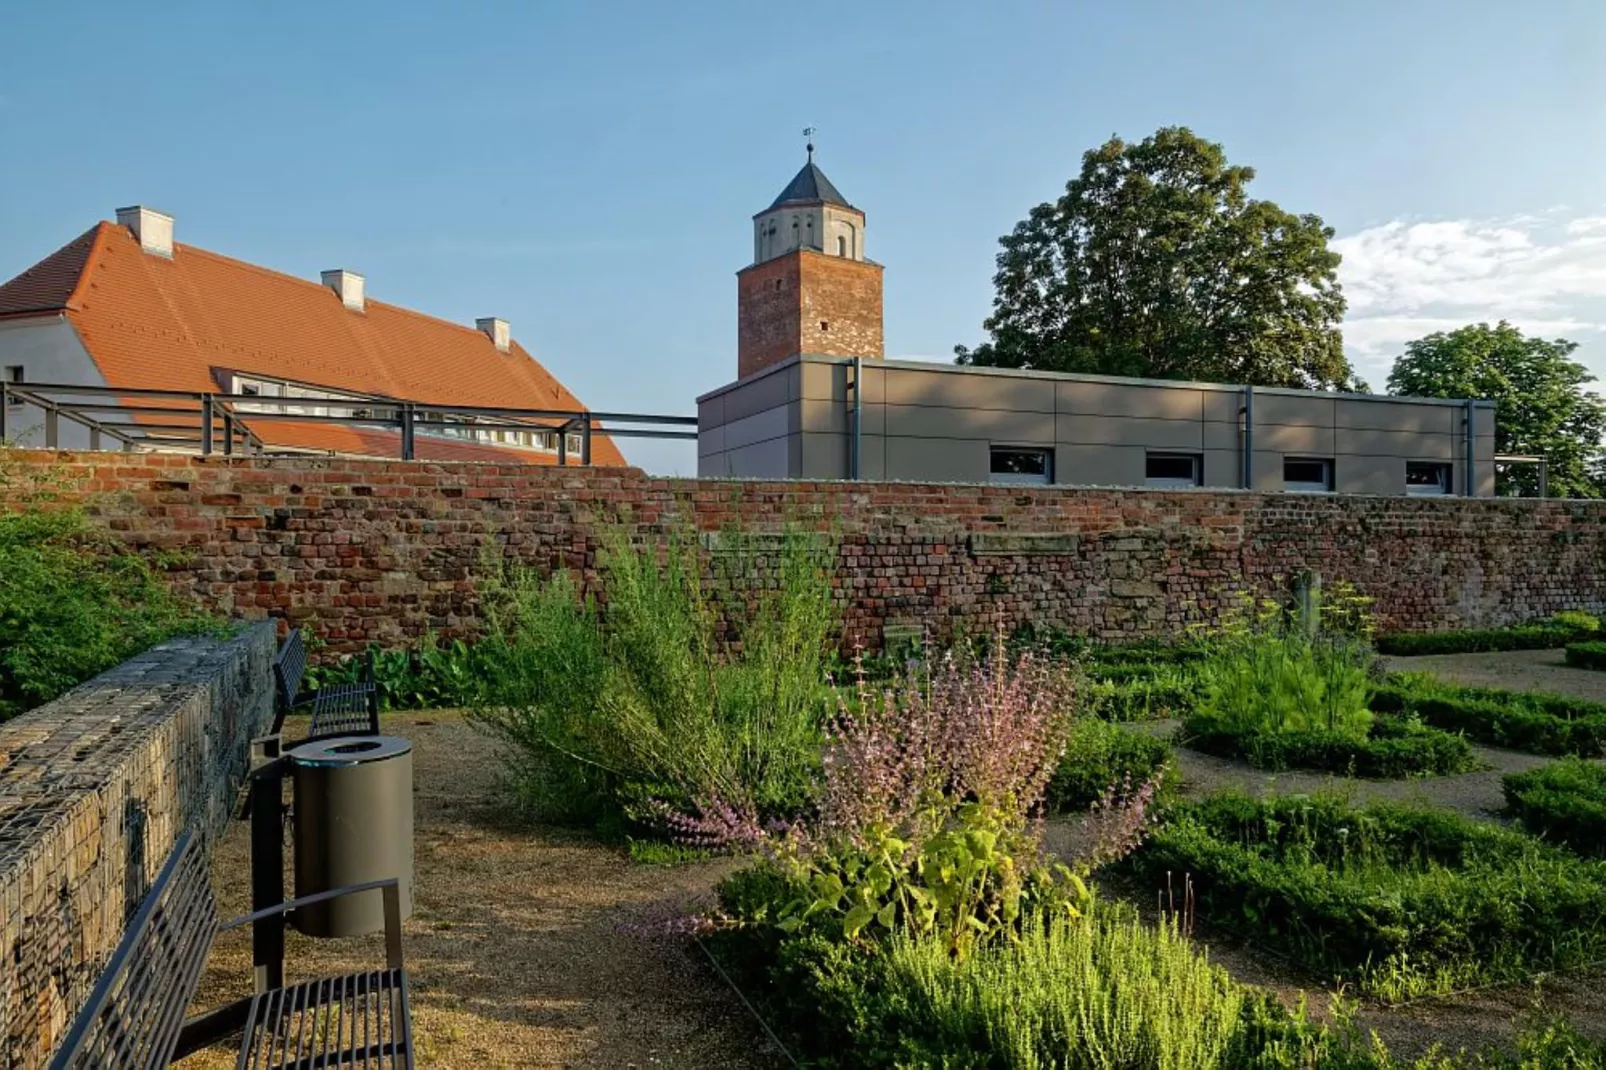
(407, 443)
(228, 435)
(5, 406)
(563, 445)
(267, 861)
(52, 428)
(94, 438)
(585, 440)
(206, 425)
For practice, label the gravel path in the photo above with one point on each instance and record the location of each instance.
(1517, 670)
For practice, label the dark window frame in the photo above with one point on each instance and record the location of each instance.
(1309, 486)
(1442, 487)
(995, 453)
(1173, 482)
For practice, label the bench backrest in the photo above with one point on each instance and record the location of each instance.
(133, 1016)
(289, 666)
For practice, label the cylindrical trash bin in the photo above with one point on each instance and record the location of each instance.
(353, 823)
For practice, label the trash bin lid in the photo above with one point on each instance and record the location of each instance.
(350, 750)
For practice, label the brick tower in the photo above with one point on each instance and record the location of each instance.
(809, 288)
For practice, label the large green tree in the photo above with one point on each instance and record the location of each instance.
(1542, 406)
(1157, 263)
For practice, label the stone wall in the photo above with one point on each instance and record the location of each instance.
(382, 550)
(94, 789)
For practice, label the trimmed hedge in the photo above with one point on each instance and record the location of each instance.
(1528, 721)
(1400, 900)
(1396, 748)
(1099, 754)
(1564, 801)
(1587, 655)
(1478, 641)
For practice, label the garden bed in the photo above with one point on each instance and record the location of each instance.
(1564, 801)
(1542, 636)
(1587, 655)
(1520, 720)
(1399, 901)
(1393, 748)
(1099, 754)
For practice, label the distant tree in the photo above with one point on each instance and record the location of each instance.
(1157, 263)
(1543, 407)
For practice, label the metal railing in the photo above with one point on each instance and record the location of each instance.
(212, 422)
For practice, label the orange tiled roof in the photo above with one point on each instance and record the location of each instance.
(153, 322)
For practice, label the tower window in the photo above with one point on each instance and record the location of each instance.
(841, 246)
(825, 325)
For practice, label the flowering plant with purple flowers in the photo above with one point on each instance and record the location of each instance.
(929, 814)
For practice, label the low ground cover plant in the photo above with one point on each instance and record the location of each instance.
(614, 712)
(1564, 802)
(73, 603)
(1558, 631)
(1519, 720)
(1399, 901)
(1587, 655)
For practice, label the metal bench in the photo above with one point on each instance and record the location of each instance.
(337, 710)
(134, 1017)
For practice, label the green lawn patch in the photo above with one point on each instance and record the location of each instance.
(1394, 748)
(1564, 801)
(1519, 720)
(1399, 901)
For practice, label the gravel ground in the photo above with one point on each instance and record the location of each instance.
(1518, 670)
(517, 947)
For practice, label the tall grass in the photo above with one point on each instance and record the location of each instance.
(614, 709)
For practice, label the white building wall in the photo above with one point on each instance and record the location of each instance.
(49, 351)
(787, 229)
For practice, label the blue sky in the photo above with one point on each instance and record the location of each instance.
(589, 170)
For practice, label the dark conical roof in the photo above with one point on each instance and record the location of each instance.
(810, 186)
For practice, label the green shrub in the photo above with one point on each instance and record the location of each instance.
(1099, 754)
(73, 603)
(1399, 900)
(1519, 720)
(1141, 691)
(1481, 640)
(1579, 621)
(1265, 674)
(610, 713)
(1587, 655)
(1564, 801)
(431, 677)
(1394, 747)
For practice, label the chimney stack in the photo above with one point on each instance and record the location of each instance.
(497, 330)
(348, 284)
(153, 229)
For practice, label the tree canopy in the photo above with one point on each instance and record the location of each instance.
(1157, 263)
(1542, 406)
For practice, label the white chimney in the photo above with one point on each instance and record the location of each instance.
(348, 284)
(153, 229)
(497, 330)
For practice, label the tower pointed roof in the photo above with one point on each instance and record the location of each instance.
(810, 186)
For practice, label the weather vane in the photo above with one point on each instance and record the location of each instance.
(808, 132)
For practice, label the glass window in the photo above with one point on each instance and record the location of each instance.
(1427, 477)
(1015, 464)
(1307, 474)
(1173, 470)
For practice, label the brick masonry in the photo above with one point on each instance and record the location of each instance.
(94, 789)
(807, 302)
(381, 550)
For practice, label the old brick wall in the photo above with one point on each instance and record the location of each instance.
(94, 789)
(841, 307)
(381, 550)
(767, 314)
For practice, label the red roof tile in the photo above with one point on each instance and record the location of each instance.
(153, 322)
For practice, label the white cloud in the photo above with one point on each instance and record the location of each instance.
(1407, 279)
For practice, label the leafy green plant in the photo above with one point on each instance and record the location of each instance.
(1267, 674)
(1098, 754)
(615, 711)
(73, 603)
(1587, 655)
(1401, 901)
(1564, 801)
(1520, 720)
(433, 676)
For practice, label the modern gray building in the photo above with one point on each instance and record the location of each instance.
(816, 417)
